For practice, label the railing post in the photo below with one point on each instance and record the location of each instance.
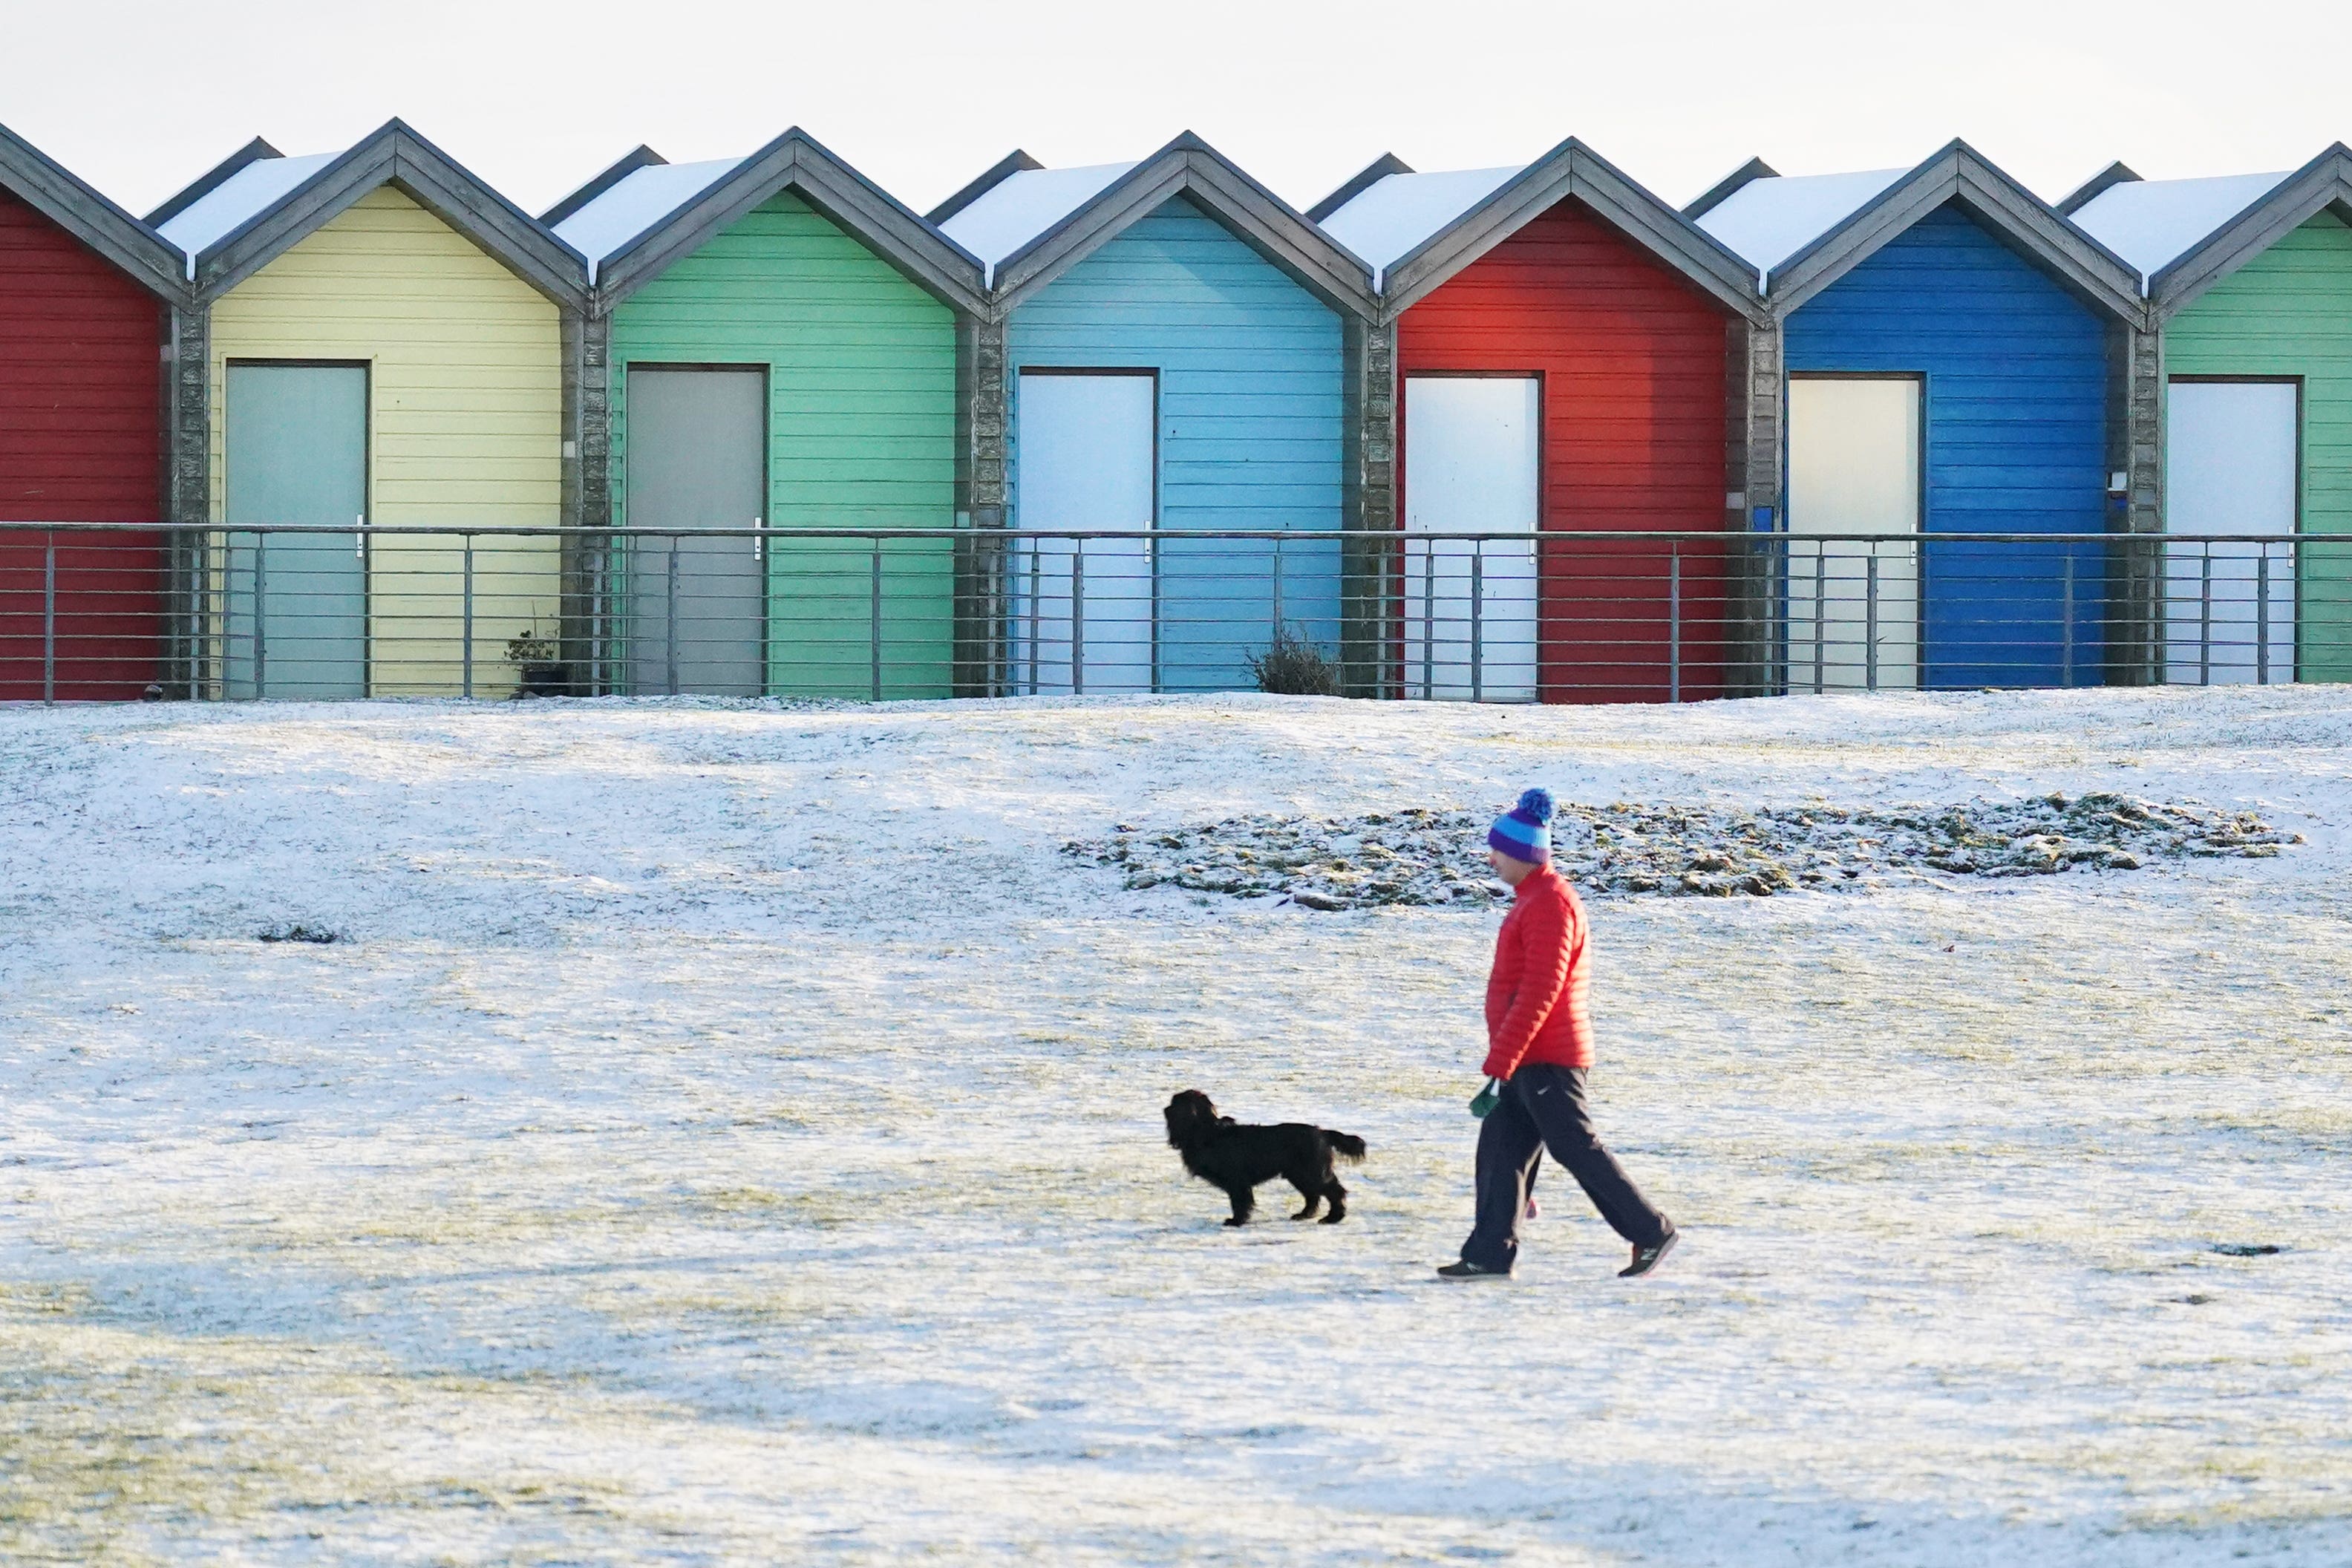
(669, 619)
(876, 625)
(1870, 619)
(1078, 617)
(467, 631)
(1037, 620)
(1277, 589)
(48, 618)
(1428, 619)
(1675, 624)
(1821, 613)
(2205, 614)
(1478, 620)
(2263, 615)
(2066, 623)
(260, 637)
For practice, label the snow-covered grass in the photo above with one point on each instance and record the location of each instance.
(731, 1132)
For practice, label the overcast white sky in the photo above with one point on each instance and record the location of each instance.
(138, 96)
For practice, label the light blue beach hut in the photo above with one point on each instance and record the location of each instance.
(1175, 348)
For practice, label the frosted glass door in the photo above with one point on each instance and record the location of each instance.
(296, 453)
(1854, 468)
(2229, 467)
(1082, 611)
(1472, 457)
(695, 450)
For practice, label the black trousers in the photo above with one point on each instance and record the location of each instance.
(1542, 1107)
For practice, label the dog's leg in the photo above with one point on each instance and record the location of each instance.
(1338, 1196)
(1245, 1199)
(1312, 1192)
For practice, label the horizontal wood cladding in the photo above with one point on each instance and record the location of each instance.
(2016, 376)
(1632, 357)
(861, 433)
(1251, 369)
(2288, 312)
(464, 422)
(81, 440)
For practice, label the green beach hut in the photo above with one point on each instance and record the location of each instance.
(774, 343)
(2249, 284)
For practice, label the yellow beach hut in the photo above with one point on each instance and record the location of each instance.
(387, 338)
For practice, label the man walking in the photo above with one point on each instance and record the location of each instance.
(1539, 1045)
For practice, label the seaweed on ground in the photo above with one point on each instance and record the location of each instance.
(1423, 856)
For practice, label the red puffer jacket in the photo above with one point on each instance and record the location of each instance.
(1536, 1009)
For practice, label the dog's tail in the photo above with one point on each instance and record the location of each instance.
(1347, 1146)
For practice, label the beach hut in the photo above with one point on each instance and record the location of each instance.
(780, 343)
(1170, 345)
(87, 298)
(1947, 339)
(1573, 355)
(2249, 284)
(387, 348)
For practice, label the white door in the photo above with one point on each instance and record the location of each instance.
(1082, 610)
(1472, 464)
(2229, 467)
(1854, 468)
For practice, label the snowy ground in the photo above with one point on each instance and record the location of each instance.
(731, 1134)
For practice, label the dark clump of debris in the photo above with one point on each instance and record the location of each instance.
(1438, 857)
(319, 934)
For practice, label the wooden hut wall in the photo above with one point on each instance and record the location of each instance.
(2015, 410)
(464, 425)
(81, 440)
(1250, 410)
(1631, 357)
(861, 367)
(2287, 314)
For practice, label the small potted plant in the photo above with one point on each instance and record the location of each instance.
(538, 668)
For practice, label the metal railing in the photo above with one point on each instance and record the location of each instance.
(112, 612)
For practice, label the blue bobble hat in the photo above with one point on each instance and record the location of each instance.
(1524, 832)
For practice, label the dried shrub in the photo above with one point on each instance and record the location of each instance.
(1294, 667)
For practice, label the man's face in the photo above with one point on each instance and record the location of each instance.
(1513, 872)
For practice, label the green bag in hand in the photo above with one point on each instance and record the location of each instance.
(1487, 1098)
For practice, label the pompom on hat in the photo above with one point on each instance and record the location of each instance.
(1524, 832)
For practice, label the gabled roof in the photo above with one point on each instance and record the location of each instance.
(636, 204)
(652, 216)
(1803, 234)
(1419, 230)
(2152, 223)
(2115, 174)
(55, 192)
(2186, 236)
(1031, 224)
(1723, 189)
(988, 179)
(1768, 219)
(1363, 179)
(237, 225)
(210, 181)
(638, 157)
(1022, 204)
(1395, 215)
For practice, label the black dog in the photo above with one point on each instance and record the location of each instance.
(1238, 1157)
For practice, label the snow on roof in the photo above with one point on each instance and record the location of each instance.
(1767, 221)
(1020, 207)
(2152, 223)
(1390, 216)
(236, 201)
(636, 204)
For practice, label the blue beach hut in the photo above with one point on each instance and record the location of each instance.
(1175, 347)
(1949, 341)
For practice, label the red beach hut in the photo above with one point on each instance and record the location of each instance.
(1569, 353)
(86, 292)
